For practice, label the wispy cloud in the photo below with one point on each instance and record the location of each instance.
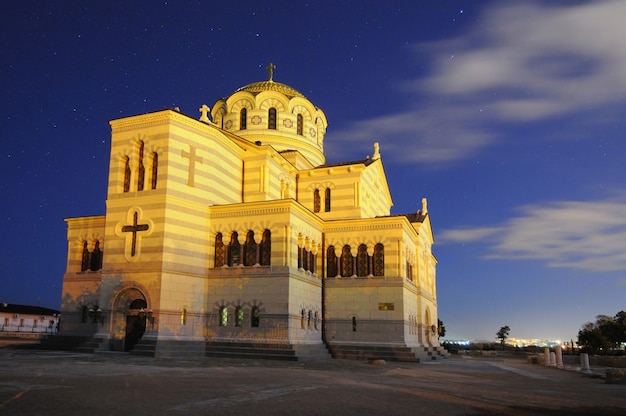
(522, 62)
(573, 234)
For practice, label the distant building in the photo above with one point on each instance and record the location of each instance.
(27, 319)
(232, 230)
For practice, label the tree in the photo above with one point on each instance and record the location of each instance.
(441, 329)
(503, 334)
(606, 334)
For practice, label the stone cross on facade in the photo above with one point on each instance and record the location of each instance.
(135, 228)
(204, 110)
(193, 158)
(270, 70)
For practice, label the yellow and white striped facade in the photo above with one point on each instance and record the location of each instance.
(235, 229)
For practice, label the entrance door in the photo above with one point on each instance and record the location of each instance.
(135, 327)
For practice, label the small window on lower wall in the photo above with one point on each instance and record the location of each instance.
(255, 317)
(223, 316)
(239, 316)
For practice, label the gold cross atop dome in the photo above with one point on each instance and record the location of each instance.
(270, 70)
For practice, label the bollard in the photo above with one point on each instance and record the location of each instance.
(559, 356)
(546, 356)
(584, 363)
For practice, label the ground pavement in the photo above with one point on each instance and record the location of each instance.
(59, 383)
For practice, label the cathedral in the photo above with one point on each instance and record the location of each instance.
(230, 235)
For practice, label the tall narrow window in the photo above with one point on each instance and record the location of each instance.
(271, 119)
(331, 262)
(223, 316)
(379, 260)
(362, 261)
(327, 200)
(255, 317)
(266, 248)
(141, 172)
(243, 114)
(249, 250)
(300, 124)
(239, 316)
(316, 201)
(234, 250)
(126, 174)
(155, 169)
(96, 258)
(219, 250)
(84, 265)
(346, 262)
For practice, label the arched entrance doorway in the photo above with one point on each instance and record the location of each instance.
(135, 323)
(129, 319)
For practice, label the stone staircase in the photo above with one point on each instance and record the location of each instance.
(387, 353)
(144, 348)
(265, 351)
(90, 346)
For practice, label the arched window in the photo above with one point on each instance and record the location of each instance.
(271, 119)
(346, 262)
(234, 250)
(362, 261)
(266, 248)
(316, 201)
(300, 124)
(219, 250)
(126, 174)
(331, 262)
(255, 317)
(141, 171)
(84, 264)
(243, 114)
(249, 250)
(155, 169)
(312, 259)
(327, 200)
(223, 316)
(239, 316)
(379, 260)
(302, 318)
(96, 258)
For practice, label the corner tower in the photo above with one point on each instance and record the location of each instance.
(274, 114)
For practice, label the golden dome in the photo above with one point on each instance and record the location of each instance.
(257, 87)
(270, 85)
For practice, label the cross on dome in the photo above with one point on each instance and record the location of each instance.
(270, 70)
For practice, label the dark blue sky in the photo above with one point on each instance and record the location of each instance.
(508, 116)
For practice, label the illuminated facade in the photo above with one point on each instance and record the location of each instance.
(233, 230)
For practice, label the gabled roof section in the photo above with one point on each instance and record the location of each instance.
(26, 309)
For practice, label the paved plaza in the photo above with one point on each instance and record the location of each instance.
(59, 383)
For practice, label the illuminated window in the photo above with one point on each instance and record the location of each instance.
(266, 248)
(126, 174)
(346, 262)
(243, 114)
(155, 169)
(249, 250)
(234, 250)
(331, 262)
(316, 201)
(379, 260)
(255, 316)
(300, 124)
(362, 261)
(219, 250)
(271, 118)
(327, 200)
(95, 262)
(239, 316)
(141, 172)
(223, 316)
(85, 258)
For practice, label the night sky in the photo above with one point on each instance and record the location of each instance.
(508, 116)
